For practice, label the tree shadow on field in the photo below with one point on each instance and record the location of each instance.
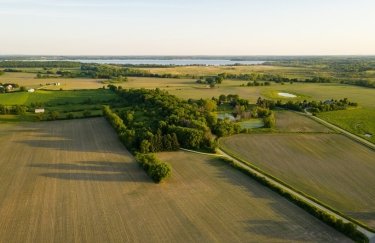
(95, 171)
(81, 135)
(291, 224)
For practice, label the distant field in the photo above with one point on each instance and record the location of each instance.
(288, 121)
(214, 70)
(329, 167)
(28, 80)
(73, 181)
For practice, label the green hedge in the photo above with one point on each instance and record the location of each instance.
(349, 229)
(156, 169)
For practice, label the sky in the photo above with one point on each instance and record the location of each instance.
(187, 27)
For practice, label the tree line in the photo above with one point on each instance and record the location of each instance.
(312, 106)
(362, 83)
(36, 64)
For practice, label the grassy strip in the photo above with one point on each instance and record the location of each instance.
(226, 150)
(349, 229)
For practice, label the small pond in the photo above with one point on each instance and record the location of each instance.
(287, 95)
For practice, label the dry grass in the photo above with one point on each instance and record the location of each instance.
(72, 181)
(329, 167)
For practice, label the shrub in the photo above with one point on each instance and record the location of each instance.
(159, 171)
(156, 169)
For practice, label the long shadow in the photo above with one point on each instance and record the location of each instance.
(68, 136)
(87, 171)
(283, 228)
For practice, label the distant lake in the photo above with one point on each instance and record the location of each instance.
(177, 62)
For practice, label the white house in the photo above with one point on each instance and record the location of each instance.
(31, 90)
(39, 110)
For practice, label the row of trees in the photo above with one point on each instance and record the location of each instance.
(13, 109)
(36, 64)
(312, 106)
(362, 83)
(273, 77)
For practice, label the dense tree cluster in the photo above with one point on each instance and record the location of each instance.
(212, 81)
(153, 120)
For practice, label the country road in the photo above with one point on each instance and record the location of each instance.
(338, 129)
(368, 233)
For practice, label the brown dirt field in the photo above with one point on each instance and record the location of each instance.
(288, 121)
(329, 167)
(73, 181)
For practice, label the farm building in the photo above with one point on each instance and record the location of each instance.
(39, 110)
(31, 90)
(9, 87)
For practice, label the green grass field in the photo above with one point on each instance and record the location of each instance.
(357, 121)
(55, 97)
(73, 181)
(329, 167)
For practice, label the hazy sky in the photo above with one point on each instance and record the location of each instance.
(187, 27)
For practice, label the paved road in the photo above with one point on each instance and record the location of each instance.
(221, 153)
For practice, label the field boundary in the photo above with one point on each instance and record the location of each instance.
(340, 130)
(369, 232)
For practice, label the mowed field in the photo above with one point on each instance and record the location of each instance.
(56, 97)
(289, 121)
(29, 80)
(73, 181)
(329, 167)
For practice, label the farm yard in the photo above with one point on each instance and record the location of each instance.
(73, 181)
(330, 167)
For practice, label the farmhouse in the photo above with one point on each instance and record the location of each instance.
(9, 87)
(31, 90)
(39, 110)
